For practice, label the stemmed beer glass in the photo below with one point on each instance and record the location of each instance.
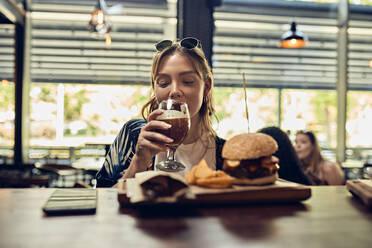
(176, 114)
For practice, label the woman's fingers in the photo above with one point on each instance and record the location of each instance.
(151, 146)
(151, 139)
(148, 144)
(154, 114)
(157, 137)
(154, 130)
(155, 125)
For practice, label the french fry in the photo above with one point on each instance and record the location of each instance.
(204, 176)
(216, 182)
(202, 170)
(190, 176)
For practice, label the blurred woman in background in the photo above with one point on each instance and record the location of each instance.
(318, 170)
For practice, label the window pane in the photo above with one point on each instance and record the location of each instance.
(77, 90)
(359, 119)
(7, 113)
(230, 108)
(83, 113)
(311, 109)
(359, 106)
(7, 93)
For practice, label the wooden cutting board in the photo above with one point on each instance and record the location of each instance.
(361, 188)
(281, 191)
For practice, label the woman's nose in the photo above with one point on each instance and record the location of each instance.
(175, 92)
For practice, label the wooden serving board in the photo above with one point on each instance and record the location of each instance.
(362, 188)
(281, 191)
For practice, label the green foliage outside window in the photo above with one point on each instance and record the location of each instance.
(221, 94)
(45, 94)
(73, 105)
(6, 96)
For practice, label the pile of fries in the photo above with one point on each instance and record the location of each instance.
(204, 176)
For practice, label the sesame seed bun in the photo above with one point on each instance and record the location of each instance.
(249, 146)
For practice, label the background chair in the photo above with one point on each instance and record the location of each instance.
(22, 176)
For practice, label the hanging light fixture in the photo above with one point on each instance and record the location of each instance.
(99, 20)
(98, 23)
(293, 38)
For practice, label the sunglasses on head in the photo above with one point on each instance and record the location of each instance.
(188, 43)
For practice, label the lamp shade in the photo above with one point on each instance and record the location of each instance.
(293, 38)
(98, 23)
(98, 20)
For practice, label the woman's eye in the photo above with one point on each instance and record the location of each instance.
(188, 82)
(162, 84)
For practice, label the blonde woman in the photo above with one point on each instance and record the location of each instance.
(179, 71)
(319, 170)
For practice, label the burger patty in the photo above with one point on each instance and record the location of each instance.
(253, 168)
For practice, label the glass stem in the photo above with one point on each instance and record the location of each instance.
(170, 154)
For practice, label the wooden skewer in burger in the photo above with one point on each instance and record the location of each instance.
(248, 156)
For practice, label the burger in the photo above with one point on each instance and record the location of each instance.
(248, 158)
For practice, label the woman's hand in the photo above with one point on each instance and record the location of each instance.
(150, 141)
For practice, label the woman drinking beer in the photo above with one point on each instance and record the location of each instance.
(181, 72)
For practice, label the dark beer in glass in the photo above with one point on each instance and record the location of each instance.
(177, 115)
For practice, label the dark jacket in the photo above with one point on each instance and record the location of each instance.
(289, 164)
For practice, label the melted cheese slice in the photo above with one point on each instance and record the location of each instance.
(233, 163)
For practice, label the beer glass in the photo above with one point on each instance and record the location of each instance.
(177, 115)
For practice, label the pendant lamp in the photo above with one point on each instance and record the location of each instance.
(98, 21)
(293, 38)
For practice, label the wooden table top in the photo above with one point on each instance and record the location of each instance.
(332, 217)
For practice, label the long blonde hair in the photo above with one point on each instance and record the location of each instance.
(200, 64)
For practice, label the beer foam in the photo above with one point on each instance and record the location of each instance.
(171, 114)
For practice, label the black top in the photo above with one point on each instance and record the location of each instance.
(289, 164)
